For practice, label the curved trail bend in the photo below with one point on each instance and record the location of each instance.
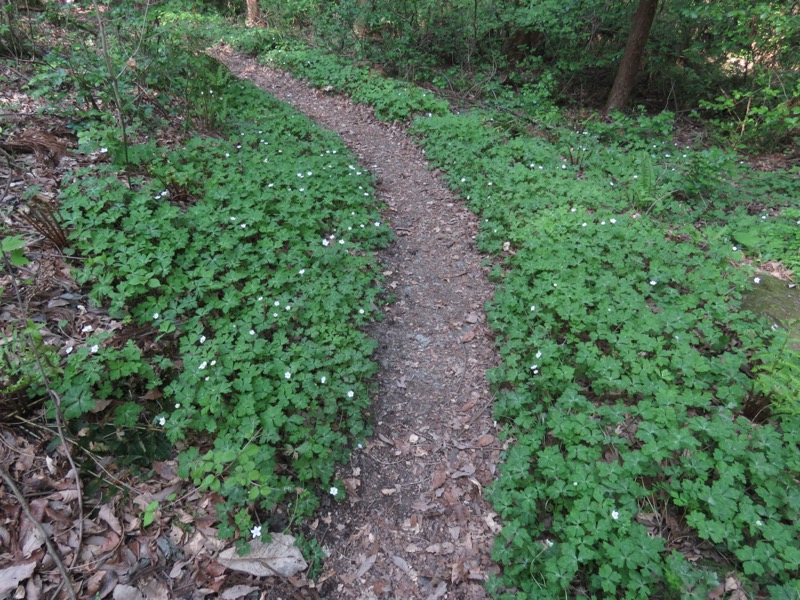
(416, 524)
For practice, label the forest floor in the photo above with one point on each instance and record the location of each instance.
(415, 524)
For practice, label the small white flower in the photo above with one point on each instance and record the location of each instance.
(203, 365)
(735, 248)
(612, 221)
(277, 303)
(533, 308)
(213, 362)
(549, 543)
(333, 491)
(260, 298)
(227, 155)
(325, 242)
(615, 515)
(539, 354)
(534, 367)
(233, 218)
(350, 394)
(256, 531)
(612, 184)
(377, 223)
(341, 241)
(243, 225)
(274, 314)
(602, 222)
(94, 348)
(653, 282)
(288, 307)
(156, 315)
(202, 339)
(301, 271)
(288, 375)
(756, 279)
(162, 421)
(103, 150)
(361, 311)
(563, 166)
(68, 350)
(760, 523)
(252, 332)
(490, 183)
(584, 224)
(555, 285)
(323, 379)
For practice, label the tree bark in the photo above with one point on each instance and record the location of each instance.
(632, 57)
(253, 15)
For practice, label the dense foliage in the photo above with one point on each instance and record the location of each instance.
(655, 424)
(237, 262)
(632, 382)
(734, 62)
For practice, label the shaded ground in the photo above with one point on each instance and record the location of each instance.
(416, 524)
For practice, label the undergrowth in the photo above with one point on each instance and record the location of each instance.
(645, 449)
(235, 254)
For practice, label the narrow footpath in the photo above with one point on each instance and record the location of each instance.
(416, 524)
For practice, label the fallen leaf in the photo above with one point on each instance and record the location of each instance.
(468, 337)
(366, 565)
(413, 438)
(127, 592)
(440, 591)
(486, 439)
(388, 491)
(11, 576)
(237, 591)
(472, 318)
(438, 479)
(107, 515)
(280, 556)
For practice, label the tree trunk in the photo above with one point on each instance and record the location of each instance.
(253, 15)
(632, 57)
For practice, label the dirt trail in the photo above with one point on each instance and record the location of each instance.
(416, 524)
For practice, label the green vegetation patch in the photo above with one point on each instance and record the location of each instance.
(244, 262)
(648, 440)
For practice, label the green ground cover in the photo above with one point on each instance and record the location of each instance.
(632, 381)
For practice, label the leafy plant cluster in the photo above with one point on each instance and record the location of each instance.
(626, 381)
(632, 381)
(392, 99)
(734, 62)
(240, 266)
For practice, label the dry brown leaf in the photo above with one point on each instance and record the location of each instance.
(106, 513)
(388, 491)
(280, 556)
(468, 336)
(127, 592)
(472, 318)
(237, 591)
(11, 576)
(366, 565)
(486, 439)
(438, 479)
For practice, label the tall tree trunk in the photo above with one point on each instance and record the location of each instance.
(253, 15)
(632, 57)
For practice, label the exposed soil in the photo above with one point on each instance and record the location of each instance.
(416, 523)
